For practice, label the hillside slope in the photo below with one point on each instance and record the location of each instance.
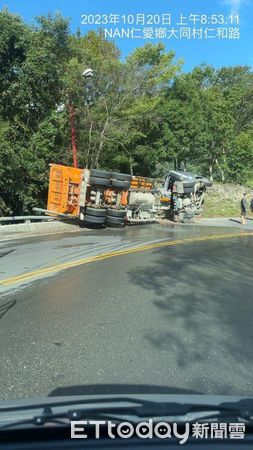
(223, 200)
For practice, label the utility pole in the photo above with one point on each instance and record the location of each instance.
(87, 74)
(73, 132)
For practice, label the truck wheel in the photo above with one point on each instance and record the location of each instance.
(100, 181)
(100, 174)
(116, 213)
(121, 184)
(94, 219)
(115, 221)
(96, 212)
(121, 176)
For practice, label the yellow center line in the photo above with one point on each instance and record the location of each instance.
(57, 267)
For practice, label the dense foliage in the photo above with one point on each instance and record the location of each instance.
(143, 115)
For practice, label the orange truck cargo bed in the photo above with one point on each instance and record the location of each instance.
(142, 183)
(64, 189)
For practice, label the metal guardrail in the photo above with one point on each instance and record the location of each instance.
(26, 219)
(51, 217)
(54, 214)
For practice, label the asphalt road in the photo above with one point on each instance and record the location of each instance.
(177, 315)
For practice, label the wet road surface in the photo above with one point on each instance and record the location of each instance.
(177, 316)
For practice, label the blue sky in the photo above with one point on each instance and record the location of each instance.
(193, 51)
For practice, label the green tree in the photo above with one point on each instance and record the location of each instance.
(137, 116)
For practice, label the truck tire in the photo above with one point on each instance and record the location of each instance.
(121, 184)
(96, 212)
(100, 181)
(121, 176)
(94, 219)
(115, 221)
(100, 174)
(116, 213)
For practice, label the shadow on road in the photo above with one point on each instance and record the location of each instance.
(203, 296)
(235, 220)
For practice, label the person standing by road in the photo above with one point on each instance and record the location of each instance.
(243, 208)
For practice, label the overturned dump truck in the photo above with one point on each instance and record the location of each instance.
(99, 197)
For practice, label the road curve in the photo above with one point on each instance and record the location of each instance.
(174, 315)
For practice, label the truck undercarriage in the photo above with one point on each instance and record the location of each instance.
(115, 199)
